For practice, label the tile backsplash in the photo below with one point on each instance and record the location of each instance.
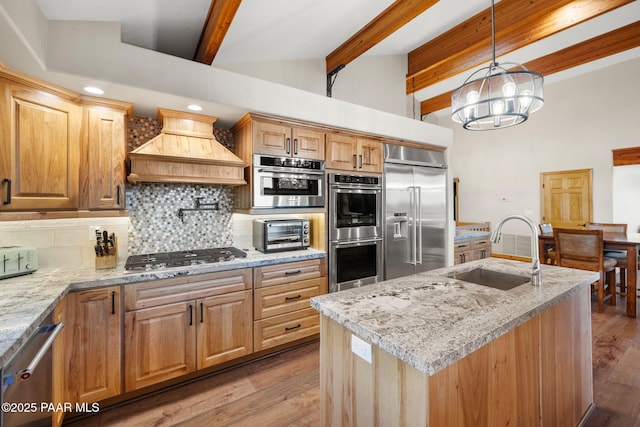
(64, 242)
(155, 225)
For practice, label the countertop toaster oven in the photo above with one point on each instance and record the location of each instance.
(280, 234)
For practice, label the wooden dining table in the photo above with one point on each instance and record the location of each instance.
(612, 241)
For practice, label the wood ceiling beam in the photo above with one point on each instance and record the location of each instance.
(616, 41)
(219, 18)
(383, 25)
(518, 23)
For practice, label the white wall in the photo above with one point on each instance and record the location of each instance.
(583, 119)
(373, 81)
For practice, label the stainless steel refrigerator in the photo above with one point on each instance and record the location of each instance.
(415, 210)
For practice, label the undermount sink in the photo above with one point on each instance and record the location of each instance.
(492, 279)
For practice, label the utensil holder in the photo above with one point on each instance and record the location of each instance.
(109, 260)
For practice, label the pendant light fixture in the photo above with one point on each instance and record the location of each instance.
(496, 96)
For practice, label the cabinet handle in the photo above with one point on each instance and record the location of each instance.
(293, 327)
(295, 146)
(288, 145)
(355, 161)
(293, 298)
(201, 313)
(8, 182)
(291, 273)
(361, 156)
(113, 302)
(190, 314)
(118, 194)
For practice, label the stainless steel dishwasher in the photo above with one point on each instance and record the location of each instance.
(27, 379)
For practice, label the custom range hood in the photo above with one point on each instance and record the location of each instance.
(185, 151)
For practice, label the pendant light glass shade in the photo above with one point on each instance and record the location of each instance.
(497, 97)
(494, 98)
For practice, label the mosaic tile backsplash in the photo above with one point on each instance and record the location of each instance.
(154, 225)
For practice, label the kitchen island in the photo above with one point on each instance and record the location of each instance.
(428, 349)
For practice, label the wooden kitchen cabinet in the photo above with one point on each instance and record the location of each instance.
(282, 313)
(471, 249)
(103, 169)
(176, 326)
(64, 151)
(284, 140)
(40, 145)
(92, 340)
(350, 153)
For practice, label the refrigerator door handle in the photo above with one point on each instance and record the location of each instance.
(418, 228)
(412, 233)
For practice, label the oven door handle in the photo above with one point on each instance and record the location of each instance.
(356, 242)
(297, 173)
(25, 374)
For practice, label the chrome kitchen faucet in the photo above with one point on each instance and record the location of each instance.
(536, 276)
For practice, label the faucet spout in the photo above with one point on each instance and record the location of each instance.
(536, 274)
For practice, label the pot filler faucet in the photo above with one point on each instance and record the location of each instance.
(535, 266)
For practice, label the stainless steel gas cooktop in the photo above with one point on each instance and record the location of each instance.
(182, 258)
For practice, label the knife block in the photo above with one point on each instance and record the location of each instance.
(108, 261)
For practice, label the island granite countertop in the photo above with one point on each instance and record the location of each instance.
(26, 300)
(430, 320)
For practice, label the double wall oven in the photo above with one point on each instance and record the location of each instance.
(355, 231)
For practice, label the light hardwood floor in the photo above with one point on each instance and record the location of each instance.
(283, 390)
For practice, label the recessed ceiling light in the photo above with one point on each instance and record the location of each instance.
(94, 90)
(194, 107)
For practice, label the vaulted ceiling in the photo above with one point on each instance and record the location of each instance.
(442, 40)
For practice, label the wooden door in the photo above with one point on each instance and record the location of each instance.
(93, 338)
(224, 328)
(567, 198)
(40, 142)
(105, 173)
(160, 344)
(271, 138)
(341, 152)
(369, 155)
(308, 144)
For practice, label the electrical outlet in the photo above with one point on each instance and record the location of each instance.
(92, 233)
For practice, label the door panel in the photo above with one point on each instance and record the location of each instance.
(398, 221)
(567, 198)
(431, 184)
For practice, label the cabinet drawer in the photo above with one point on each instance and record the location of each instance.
(285, 328)
(166, 291)
(280, 299)
(461, 247)
(289, 272)
(481, 244)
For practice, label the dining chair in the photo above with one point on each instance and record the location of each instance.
(584, 250)
(619, 256)
(549, 249)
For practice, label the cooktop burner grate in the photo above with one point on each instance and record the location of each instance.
(181, 258)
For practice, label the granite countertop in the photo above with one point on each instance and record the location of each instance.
(462, 235)
(26, 300)
(430, 321)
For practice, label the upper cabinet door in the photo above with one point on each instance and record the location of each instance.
(341, 152)
(271, 138)
(106, 163)
(308, 144)
(39, 137)
(369, 155)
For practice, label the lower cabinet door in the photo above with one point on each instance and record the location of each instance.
(160, 344)
(92, 339)
(224, 328)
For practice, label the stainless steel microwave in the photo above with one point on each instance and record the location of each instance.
(284, 182)
(280, 234)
